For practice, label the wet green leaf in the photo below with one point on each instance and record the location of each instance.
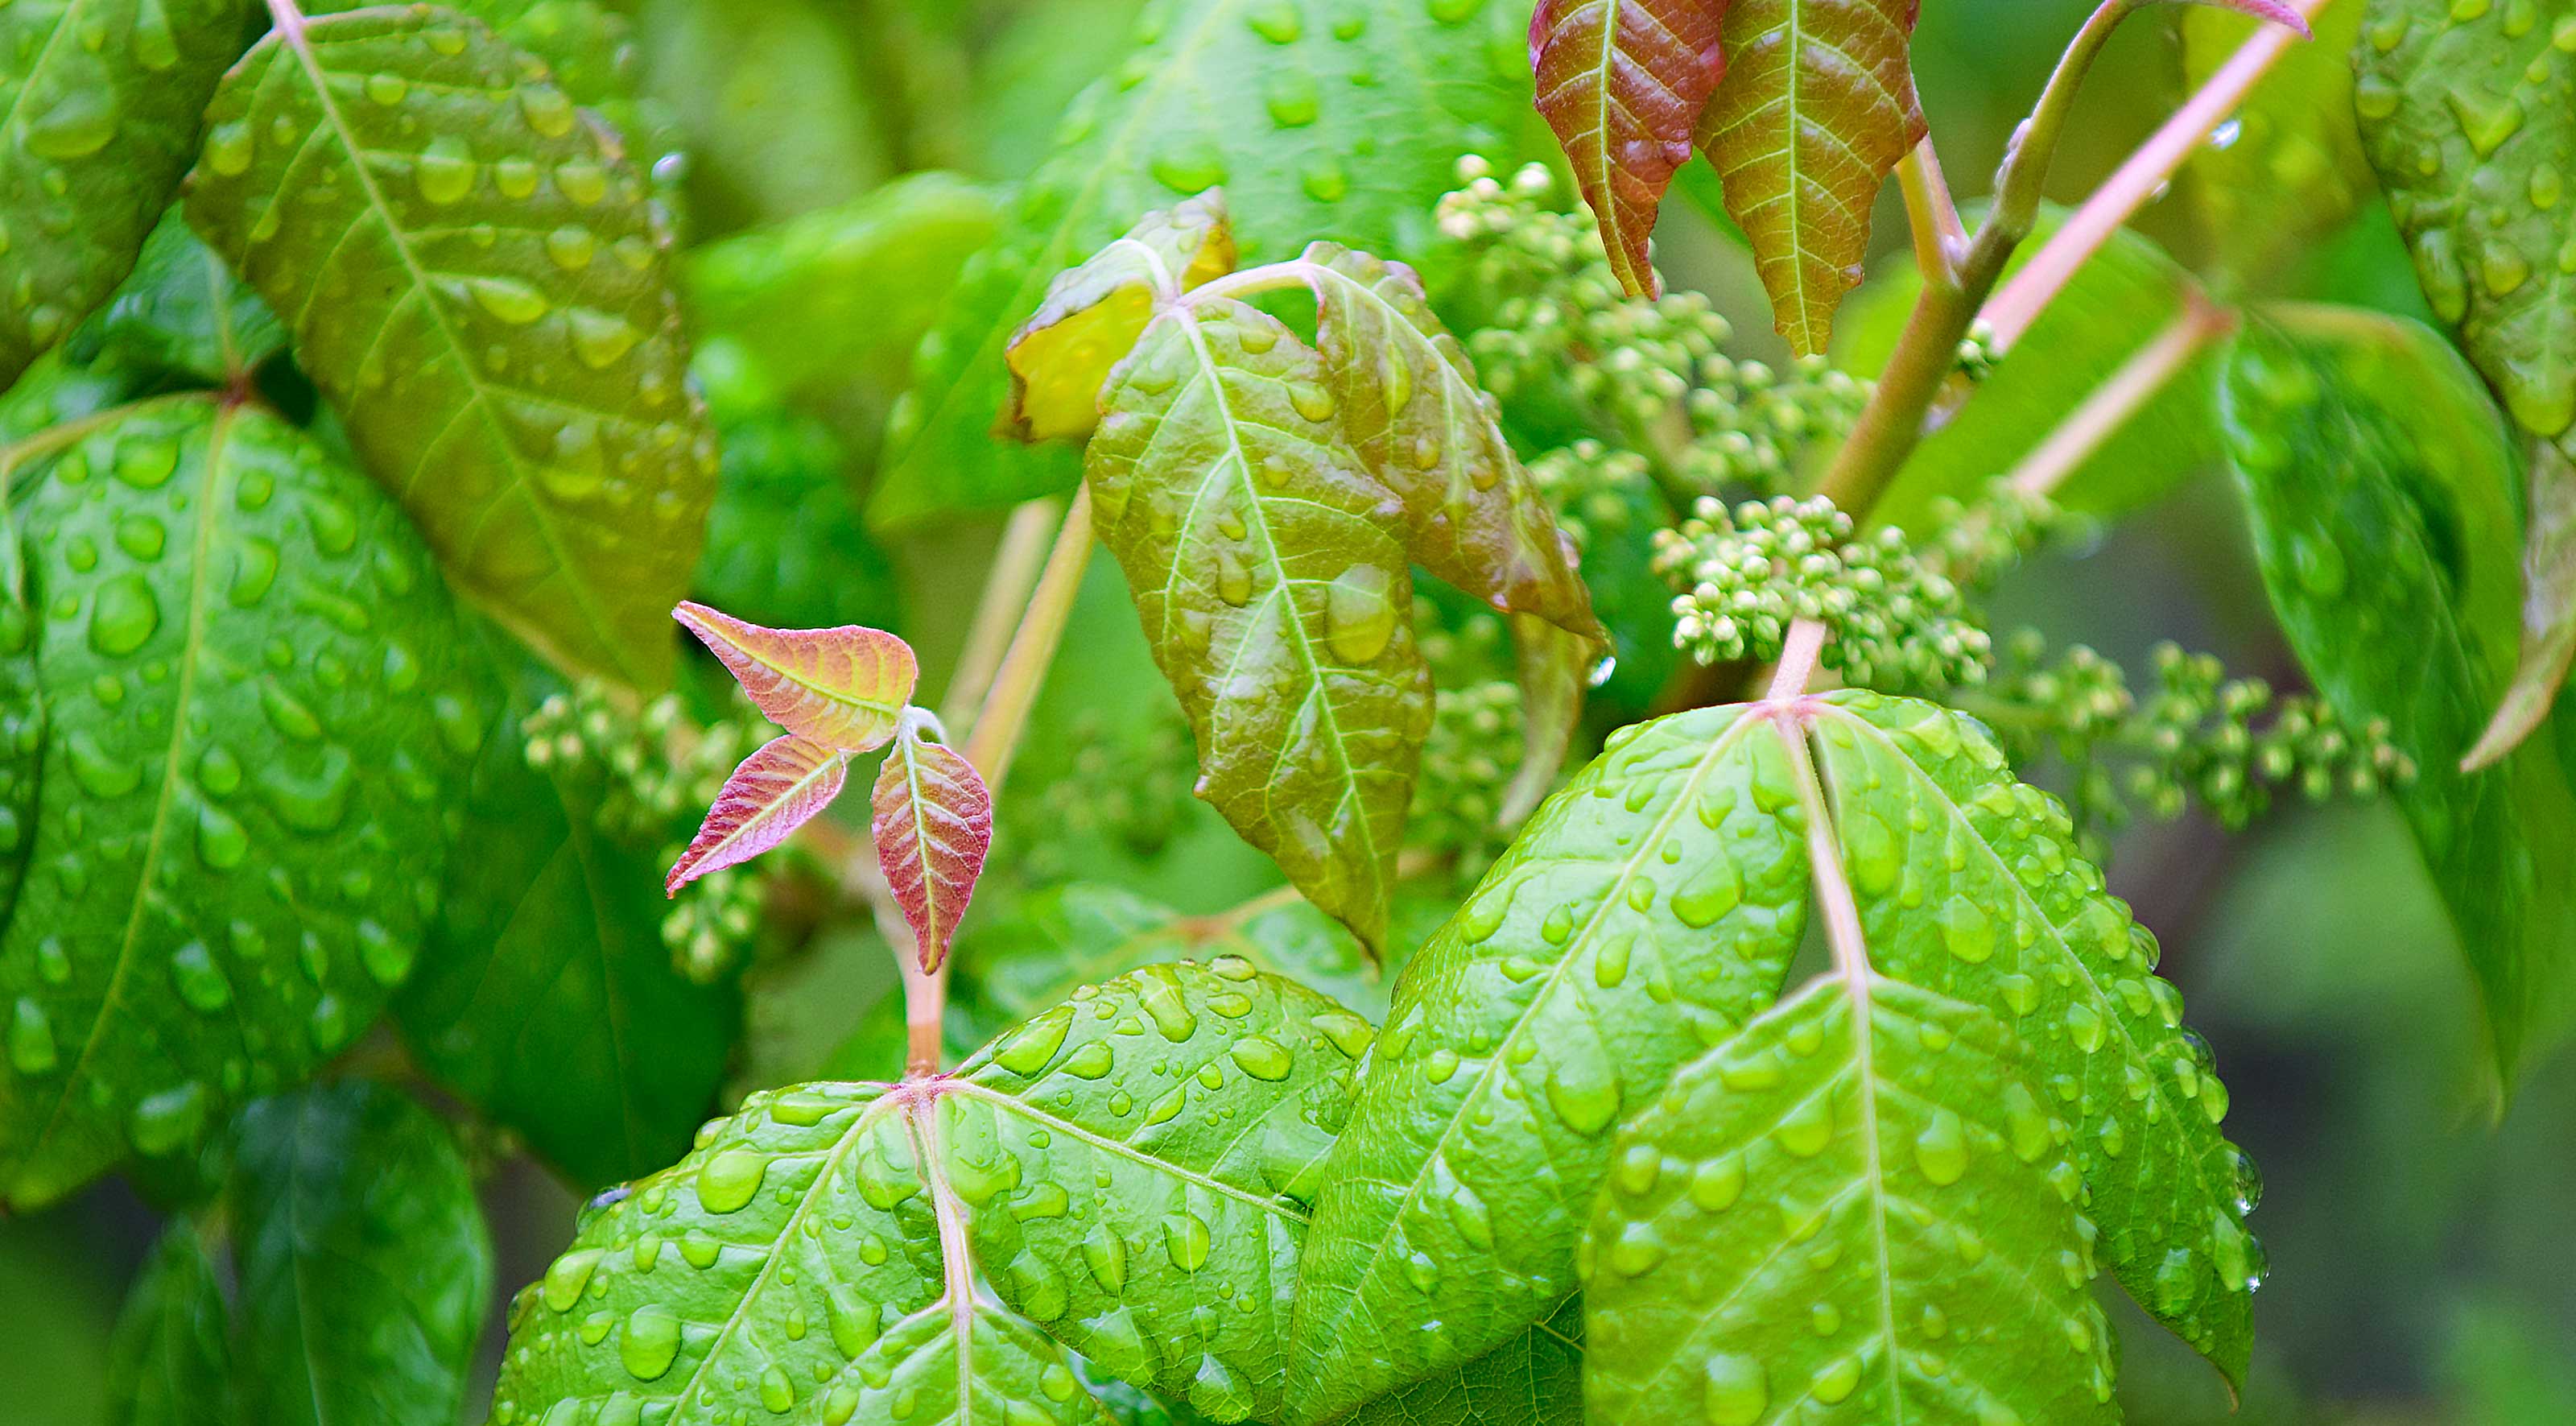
(1276, 596)
(2466, 113)
(2548, 608)
(170, 1362)
(1276, 104)
(2291, 171)
(1533, 1379)
(1647, 910)
(260, 714)
(471, 272)
(365, 1265)
(183, 314)
(22, 712)
(101, 99)
(1840, 1210)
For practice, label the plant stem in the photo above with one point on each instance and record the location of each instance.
(1797, 664)
(1014, 573)
(996, 733)
(2122, 395)
(1940, 241)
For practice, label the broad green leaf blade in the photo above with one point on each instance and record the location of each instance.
(844, 687)
(1093, 314)
(2386, 544)
(2466, 114)
(1854, 1207)
(1970, 887)
(98, 118)
(22, 716)
(260, 710)
(365, 1266)
(933, 824)
(182, 313)
(546, 997)
(1816, 108)
(1534, 1379)
(966, 1368)
(1646, 911)
(1277, 104)
(779, 788)
(1412, 409)
(170, 1362)
(1146, 1147)
(2548, 609)
(471, 272)
(1622, 83)
(1276, 596)
(2292, 170)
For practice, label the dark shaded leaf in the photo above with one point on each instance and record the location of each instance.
(170, 1362)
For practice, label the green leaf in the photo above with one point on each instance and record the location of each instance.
(1276, 597)
(1647, 910)
(1533, 1379)
(1094, 312)
(1552, 668)
(2548, 609)
(1816, 108)
(1278, 105)
(2292, 170)
(1622, 84)
(169, 1363)
(1970, 886)
(546, 997)
(22, 712)
(184, 314)
(98, 116)
(2385, 533)
(2115, 305)
(365, 1266)
(2465, 112)
(1136, 1152)
(472, 274)
(1848, 1208)
(260, 714)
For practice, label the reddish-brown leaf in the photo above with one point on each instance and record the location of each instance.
(842, 687)
(776, 790)
(934, 822)
(1623, 84)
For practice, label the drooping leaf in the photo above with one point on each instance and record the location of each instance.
(1816, 108)
(259, 715)
(1854, 1208)
(1410, 404)
(364, 1261)
(1647, 910)
(1533, 1379)
(471, 272)
(1622, 83)
(170, 1362)
(101, 99)
(2114, 306)
(2467, 116)
(182, 312)
(2386, 543)
(545, 996)
(779, 788)
(1094, 312)
(2291, 171)
(933, 825)
(22, 712)
(1969, 886)
(1276, 104)
(2548, 608)
(843, 687)
(1116, 1181)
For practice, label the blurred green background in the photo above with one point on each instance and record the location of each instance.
(2423, 1251)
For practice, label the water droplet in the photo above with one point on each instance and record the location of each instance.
(387, 88)
(1584, 1093)
(1734, 1391)
(445, 170)
(1805, 1130)
(1190, 167)
(31, 1038)
(571, 247)
(1714, 889)
(1941, 1150)
(1323, 180)
(1294, 101)
(165, 1121)
(2487, 122)
(200, 981)
(730, 1179)
(512, 301)
(1277, 22)
(1359, 614)
(79, 123)
(650, 1341)
(583, 182)
(548, 111)
(600, 338)
(1835, 1380)
(1028, 1051)
(1261, 1058)
(568, 1276)
(1185, 1237)
(124, 615)
(854, 1325)
(228, 148)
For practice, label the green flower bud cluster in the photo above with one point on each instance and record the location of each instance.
(1125, 784)
(1750, 426)
(1978, 353)
(1467, 762)
(1741, 575)
(1595, 489)
(1974, 544)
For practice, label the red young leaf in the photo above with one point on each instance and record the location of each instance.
(1623, 83)
(843, 687)
(934, 822)
(777, 789)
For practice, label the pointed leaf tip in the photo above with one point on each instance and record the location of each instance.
(933, 824)
(776, 790)
(1622, 84)
(843, 687)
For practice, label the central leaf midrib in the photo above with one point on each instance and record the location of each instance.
(1009, 1104)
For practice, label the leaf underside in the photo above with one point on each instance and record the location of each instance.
(472, 273)
(1622, 83)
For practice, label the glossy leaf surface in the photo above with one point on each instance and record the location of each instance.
(365, 1266)
(1094, 312)
(1274, 592)
(170, 1362)
(22, 713)
(1816, 108)
(1647, 910)
(1622, 83)
(1534, 1379)
(260, 716)
(779, 788)
(843, 687)
(471, 272)
(101, 101)
(1853, 1207)
(933, 823)
(1272, 103)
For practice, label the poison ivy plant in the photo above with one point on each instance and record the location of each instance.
(183, 313)
(1623, 84)
(2548, 608)
(171, 1360)
(1535, 1378)
(2289, 169)
(259, 725)
(101, 101)
(511, 367)
(22, 714)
